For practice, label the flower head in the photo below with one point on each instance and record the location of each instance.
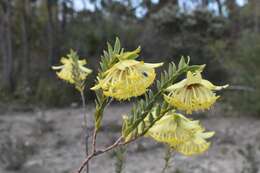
(173, 128)
(72, 69)
(182, 134)
(192, 93)
(128, 77)
(196, 144)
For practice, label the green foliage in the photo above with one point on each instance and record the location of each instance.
(108, 59)
(101, 102)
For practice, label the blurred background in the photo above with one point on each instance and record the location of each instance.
(35, 34)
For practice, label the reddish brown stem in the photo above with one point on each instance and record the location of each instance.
(98, 152)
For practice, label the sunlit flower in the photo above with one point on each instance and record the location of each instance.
(192, 93)
(173, 128)
(127, 78)
(196, 144)
(72, 70)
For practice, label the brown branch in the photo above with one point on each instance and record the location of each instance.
(85, 162)
(117, 143)
(98, 152)
(94, 139)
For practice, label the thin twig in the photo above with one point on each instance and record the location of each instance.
(101, 151)
(94, 139)
(98, 152)
(85, 127)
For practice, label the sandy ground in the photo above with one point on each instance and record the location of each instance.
(54, 139)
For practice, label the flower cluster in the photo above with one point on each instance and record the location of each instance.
(182, 134)
(192, 93)
(73, 70)
(128, 77)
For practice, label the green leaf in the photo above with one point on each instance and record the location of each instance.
(157, 111)
(141, 127)
(181, 63)
(117, 46)
(174, 68)
(130, 55)
(188, 60)
(110, 49)
(150, 118)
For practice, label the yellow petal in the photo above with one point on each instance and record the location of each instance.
(178, 85)
(57, 67)
(196, 144)
(207, 135)
(64, 60)
(87, 70)
(82, 62)
(152, 65)
(211, 86)
(192, 147)
(126, 63)
(194, 78)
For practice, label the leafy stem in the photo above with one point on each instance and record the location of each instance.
(140, 111)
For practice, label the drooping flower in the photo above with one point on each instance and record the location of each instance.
(173, 128)
(182, 134)
(71, 69)
(192, 93)
(196, 144)
(128, 77)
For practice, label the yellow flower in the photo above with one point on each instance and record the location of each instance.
(192, 93)
(182, 134)
(72, 70)
(196, 144)
(173, 128)
(127, 78)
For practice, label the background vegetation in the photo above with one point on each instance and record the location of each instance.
(34, 34)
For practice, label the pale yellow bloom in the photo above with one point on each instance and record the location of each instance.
(68, 70)
(127, 78)
(182, 134)
(196, 144)
(173, 128)
(192, 93)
